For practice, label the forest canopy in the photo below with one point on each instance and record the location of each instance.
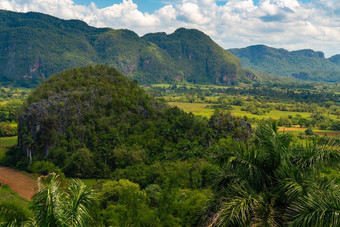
(89, 121)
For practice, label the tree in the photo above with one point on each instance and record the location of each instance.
(54, 207)
(272, 182)
(80, 163)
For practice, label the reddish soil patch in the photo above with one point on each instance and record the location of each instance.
(329, 134)
(18, 182)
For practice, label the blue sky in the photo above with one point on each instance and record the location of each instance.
(289, 24)
(148, 6)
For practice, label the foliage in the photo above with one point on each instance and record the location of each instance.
(44, 168)
(272, 182)
(224, 124)
(7, 129)
(170, 168)
(54, 207)
(106, 122)
(13, 208)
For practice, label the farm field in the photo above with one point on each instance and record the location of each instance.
(195, 108)
(18, 182)
(297, 130)
(202, 110)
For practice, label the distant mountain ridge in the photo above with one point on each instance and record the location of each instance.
(33, 46)
(302, 64)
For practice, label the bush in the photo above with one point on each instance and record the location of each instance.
(44, 168)
(10, 211)
(7, 129)
(284, 121)
(309, 132)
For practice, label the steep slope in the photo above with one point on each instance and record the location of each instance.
(34, 46)
(198, 57)
(335, 59)
(302, 64)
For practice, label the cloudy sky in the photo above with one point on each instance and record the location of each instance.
(290, 24)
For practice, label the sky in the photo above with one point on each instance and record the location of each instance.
(289, 24)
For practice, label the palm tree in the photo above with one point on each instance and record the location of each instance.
(29, 145)
(55, 207)
(272, 182)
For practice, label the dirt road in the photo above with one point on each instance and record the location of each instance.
(18, 182)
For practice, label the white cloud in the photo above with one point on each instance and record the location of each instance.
(289, 24)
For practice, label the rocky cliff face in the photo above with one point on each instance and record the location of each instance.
(45, 120)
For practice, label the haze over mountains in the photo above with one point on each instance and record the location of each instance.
(302, 64)
(33, 46)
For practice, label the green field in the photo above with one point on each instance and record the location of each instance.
(200, 109)
(13, 206)
(5, 143)
(6, 194)
(196, 108)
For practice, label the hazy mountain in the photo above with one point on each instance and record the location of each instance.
(302, 64)
(34, 46)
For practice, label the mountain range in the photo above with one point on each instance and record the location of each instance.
(34, 46)
(302, 64)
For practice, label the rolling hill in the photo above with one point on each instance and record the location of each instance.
(302, 64)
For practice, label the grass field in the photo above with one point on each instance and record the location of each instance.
(298, 130)
(5, 143)
(200, 109)
(196, 108)
(6, 194)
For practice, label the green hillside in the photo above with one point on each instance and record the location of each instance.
(97, 116)
(198, 57)
(301, 64)
(34, 46)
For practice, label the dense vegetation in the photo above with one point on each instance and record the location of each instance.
(51, 45)
(293, 105)
(164, 167)
(98, 116)
(301, 64)
(150, 164)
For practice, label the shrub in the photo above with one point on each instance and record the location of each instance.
(44, 168)
(309, 132)
(10, 211)
(7, 129)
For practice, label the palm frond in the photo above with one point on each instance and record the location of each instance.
(316, 209)
(315, 153)
(48, 203)
(238, 208)
(80, 199)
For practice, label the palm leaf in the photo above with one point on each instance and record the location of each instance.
(80, 199)
(316, 209)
